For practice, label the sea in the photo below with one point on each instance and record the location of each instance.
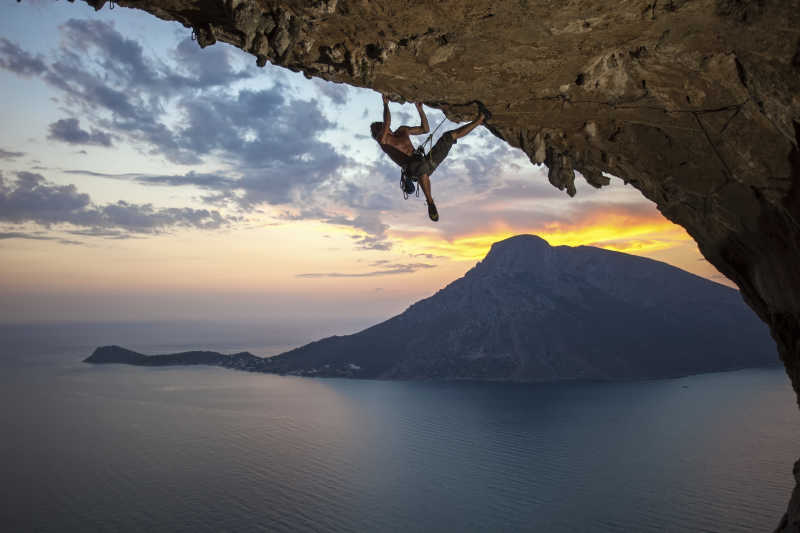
(197, 449)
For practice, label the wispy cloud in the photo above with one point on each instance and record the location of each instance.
(36, 237)
(5, 154)
(389, 270)
(209, 181)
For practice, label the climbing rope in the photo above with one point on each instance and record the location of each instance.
(429, 140)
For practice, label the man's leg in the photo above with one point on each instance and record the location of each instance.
(425, 184)
(446, 141)
(437, 155)
(466, 128)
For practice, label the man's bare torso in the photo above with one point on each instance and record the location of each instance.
(397, 145)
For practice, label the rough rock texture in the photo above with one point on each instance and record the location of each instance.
(694, 102)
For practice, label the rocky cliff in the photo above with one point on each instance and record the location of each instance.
(696, 103)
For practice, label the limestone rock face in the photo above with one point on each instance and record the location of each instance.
(695, 103)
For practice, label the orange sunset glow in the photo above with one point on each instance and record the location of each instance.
(612, 231)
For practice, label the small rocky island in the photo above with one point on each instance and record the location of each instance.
(237, 361)
(532, 312)
(118, 354)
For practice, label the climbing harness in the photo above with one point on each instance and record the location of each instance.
(407, 183)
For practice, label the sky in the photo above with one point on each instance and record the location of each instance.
(143, 178)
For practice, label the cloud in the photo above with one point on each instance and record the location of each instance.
(208, 181)
(402, 118)
(390, 270)
(371, 224)
(185, 111)
(337, 93)
(123, 61)
(68, 130)
(206, 67)
(5, 154)
(135, 92)
(102, 232)
(485, 164)
(242, 192)
(248, 191)
(36, 237)
(33, 199)
(13, 58)
(144, 218)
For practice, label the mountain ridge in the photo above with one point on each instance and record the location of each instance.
(532, 312)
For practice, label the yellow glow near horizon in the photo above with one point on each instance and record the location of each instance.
(612, 232)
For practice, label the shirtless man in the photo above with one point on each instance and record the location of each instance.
(398, 146)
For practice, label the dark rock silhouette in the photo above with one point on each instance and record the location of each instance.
(532, 312)
(117, 354)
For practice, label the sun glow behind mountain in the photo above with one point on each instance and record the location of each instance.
(611, 231)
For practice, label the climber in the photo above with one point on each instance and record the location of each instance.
(415, 163)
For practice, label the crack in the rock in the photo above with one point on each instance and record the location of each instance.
(730, 119)
(659, 126)
(713, 146)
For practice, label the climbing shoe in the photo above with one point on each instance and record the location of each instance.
(432, 212)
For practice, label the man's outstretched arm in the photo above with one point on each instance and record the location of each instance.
(387, 119)
(423, 127)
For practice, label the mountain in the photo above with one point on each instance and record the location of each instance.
(532, 312)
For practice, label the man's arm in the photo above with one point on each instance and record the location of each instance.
(387, 119)
(423, 127)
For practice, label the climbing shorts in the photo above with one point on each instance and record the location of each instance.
(420, 165)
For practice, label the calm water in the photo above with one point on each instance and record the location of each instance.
(117, 448)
